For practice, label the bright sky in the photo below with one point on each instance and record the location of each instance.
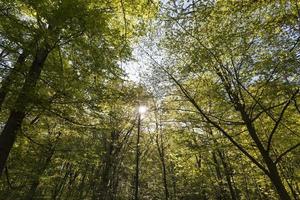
(138, 66)
(133, 69)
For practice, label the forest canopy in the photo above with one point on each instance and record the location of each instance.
(212, 111)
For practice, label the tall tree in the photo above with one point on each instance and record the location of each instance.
(238, 62)
(56, 24)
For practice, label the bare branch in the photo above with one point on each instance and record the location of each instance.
(267, 109)
(286, 152)
(296, 105)
(279, 119)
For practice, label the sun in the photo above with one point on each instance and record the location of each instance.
(142, 109)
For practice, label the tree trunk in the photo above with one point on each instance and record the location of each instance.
(273, 173)
(161, 151)
(13, 124)
(165, 178)
(227, 175)
(7, 81)
(276, 180)
(105, 186)
(220, 192)
(137, 161)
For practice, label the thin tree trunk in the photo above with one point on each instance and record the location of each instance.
(84, 186)
(105, 186)
(59, 187)
(227, 175)
(137, 161)
(220, 194)
(165, 177)
(161, 151)
(14, 122)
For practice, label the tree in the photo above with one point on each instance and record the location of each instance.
(238, 66)
(54, 25)
(220, 80)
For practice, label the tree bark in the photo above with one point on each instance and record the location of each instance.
(273, 173)
(137, 161)
(14, 122)
(276, 180)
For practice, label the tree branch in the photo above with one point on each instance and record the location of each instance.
(279, 119)
(286, 152)
(266, 109)
(194, 103)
